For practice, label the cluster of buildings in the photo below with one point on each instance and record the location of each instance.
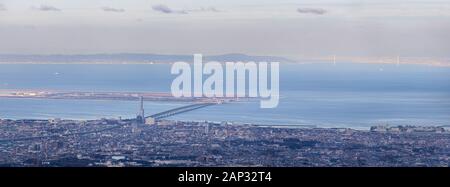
(107, 142)
(409, 128)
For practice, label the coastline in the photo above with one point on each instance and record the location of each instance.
(165, 122)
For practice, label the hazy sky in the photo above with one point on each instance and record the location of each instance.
(260, 27)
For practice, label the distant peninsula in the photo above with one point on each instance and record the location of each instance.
(131, 58)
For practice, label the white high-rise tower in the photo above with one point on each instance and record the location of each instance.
(141, 116)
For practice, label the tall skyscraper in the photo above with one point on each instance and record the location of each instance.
(141, 115)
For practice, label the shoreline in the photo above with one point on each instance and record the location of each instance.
(168, 122)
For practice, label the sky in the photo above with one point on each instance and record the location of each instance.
(290, 28)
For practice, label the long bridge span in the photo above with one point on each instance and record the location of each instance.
(180, 110)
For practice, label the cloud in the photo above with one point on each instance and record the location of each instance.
(316, 11)
(208, 9)
(46, 8)
(166, 10)
(110, 9)
(2, 7)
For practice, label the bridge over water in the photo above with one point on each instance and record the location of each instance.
(180, 110)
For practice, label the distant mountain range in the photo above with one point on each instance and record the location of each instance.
(135, 57)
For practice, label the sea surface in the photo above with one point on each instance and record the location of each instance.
(323, 95)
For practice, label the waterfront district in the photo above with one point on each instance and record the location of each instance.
(115, 142)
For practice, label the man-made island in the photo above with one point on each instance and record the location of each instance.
(112, 142)
(147, 96)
